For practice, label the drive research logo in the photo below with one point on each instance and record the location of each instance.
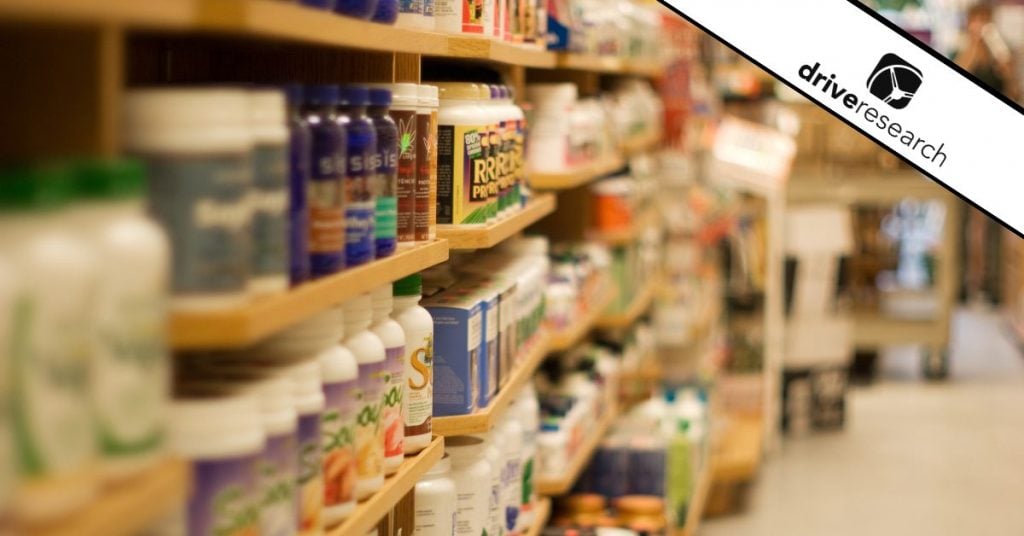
(895, 81)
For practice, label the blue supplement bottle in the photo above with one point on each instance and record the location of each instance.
(329, 5)
(359, 172)
(385, 183)
(387, 12)
(326, 186)
(360, 9)
(299, 148)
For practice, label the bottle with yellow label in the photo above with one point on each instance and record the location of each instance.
(463, 139)
(418, 325)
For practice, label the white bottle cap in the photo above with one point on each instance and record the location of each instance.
(383, 302)
(404, 94)
(187, 120)
(216, 427)
(307, 386)
(268, 115)
(358, 313)
(427, 95)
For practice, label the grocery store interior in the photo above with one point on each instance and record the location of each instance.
(486, 268)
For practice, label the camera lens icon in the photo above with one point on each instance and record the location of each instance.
(895, 81)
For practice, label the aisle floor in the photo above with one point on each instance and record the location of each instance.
(914, 459)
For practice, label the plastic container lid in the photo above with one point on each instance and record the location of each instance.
(463, 447)
(182, 118)
(543, 95)
(110, 178)
(307, 386)
(353, 95)
(427, 95)
(215, 427)
(495, 91)
(458, 91)
(358, 312)
(383, 300)
(380, 96)
(405, 94)
(35, 188)
(321, 94)
(411, 285)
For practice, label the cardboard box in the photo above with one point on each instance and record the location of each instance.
(459, 342)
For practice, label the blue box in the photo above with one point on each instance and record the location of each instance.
(458, 345)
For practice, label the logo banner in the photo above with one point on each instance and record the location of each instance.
(885, 84)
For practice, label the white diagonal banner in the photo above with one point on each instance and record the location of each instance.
(886, 85)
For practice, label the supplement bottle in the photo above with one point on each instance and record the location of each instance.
(268, 197)
(418, 326)
(197, 147)
(319, 4)
(10, 295)
(512, 475)
(359, 173)
(527, 410)
(385, 181)
(130, 369)
(341, 404)
(404, 105)
(223, 438)
(309, 403)
(391, 334)
(386, 12)
(426, 161)
(462, 196)
(513, 143)
(489, 95)
(492, 453)
(369, 352)
(359, 9)
(299, 144)
(435, 500)
(326, 186)
(55, 446)
(472, 476)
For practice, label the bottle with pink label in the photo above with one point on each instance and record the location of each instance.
(369, 434)
(393, 337)
(341, 389)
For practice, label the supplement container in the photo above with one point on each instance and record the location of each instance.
(492, 453)
(512, 477)
(385, 182)
(309, 403)
(369, 352)
(426, 164)
(417, 395)
(197, 147)
(340, 374)
(359, 9)
(527, 410)
(410, 15)
(299, 147)
(492, 148)
(268, 197)
(305, 339)
(55, 446)
(130, 362)
(435, 501)
(462, 189)
(404, 106)
(223, 438)
(549, 126)
(326, 186)
(391, 334)
(386, 12)
(514, 129)
(448, 15)
(472, 476)
(360, 171)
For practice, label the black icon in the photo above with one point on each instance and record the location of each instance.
(895, 81)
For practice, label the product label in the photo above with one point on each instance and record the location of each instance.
(428, 8)
(462, 189)
(385, 191)
(269, 202)
(359, 207)
(511, 483)
(311, 480)
(423, 176)
(489, 369)
(435, 512)
(519, 162)
(276, 473)
(471, 509)
(298, 204)
(369, 432)
(495, 524)
(407, 169)
(224, 497)
(410, 6)
(341, 404)
(526, 503)
(418, 400)
(473, 16)
(203, 204)
(394, 426)
(493, 172)
(327, 202)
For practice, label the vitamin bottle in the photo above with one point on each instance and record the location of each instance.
(448, 16)
(492, 453)
(129, 373)
(197, 147)
(462, 190)
(385, 181)
(268, 198)
(427, 115)
(404, 106)
(326, 186)
(359, 9)
(386, 12)
(495, 158)
(417, 396)
(472, 476)
(299, 144)
(369, 352)
(341, 403)
(309, 404)
(435, 499)
(512, 142)
(512, 475)
(391, 334)
(527, 410)
(359, 173)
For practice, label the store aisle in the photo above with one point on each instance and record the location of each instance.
(914, 459)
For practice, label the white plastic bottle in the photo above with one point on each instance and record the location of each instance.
(129, 375)
(278, 465)
(309, 403)
(527, 411)
(512, 475)
(461, 124)
(492, 453)
(341, 403)
(369, 352)
(435, 499)
(418, 326)
(391, 334)
(268, 197)
(10, 294)
(472, 476)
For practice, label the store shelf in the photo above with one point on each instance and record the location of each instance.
(129, 507)
(542, 511)
(610, 64)
(647, 68)
(566, 338)
(152, 13)
(482, 421)
(250, 323)
(640, 304)
(641, 144)
(486, 236)
(370, 512)
(578, 176)
(627, 235)
(562, 484)
(867, 188)
(876, 330)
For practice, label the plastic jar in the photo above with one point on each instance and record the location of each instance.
(472, 476)
(197, 146)
(404, 107)
(341, 403)
(512, 476)
(326, 186)
(391, 334)
(435, 501)
(223, 438)
(385, 181)
(359, 173)
(515, 130)
(299, 146)
(57, 272)
(549, 125)
(492, 148)
(369, 352)
(492, 453)
(268, 197)
(462, 190)
(425, 220)
(130, 368)
(527, 410)
(309, 403)
(645, 510)
(418, 327)
(584, 509)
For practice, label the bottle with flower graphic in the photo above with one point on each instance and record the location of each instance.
(370, 354)
(341, 388)
(403, 112)
(391, 334)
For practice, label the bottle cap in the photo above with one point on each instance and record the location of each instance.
(358, 312)
(321, 94)
(495, 91)
(294, 93)
(380, 96)
(35, 188)
(353, 96)
(408, 286)
(405, 94)
(110, 178)
(383, 301)
(458, 91)
(427, 95)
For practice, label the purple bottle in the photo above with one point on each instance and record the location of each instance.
(360, 9)
(387, 12)
(326, 186)
(385, 184)
(360, 170)
(319, 4)
(298, 178)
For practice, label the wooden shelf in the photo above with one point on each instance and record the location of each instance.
(641, 144)
(562, 484)
(542, 511)
(640, 304)
(248, 324)
(490, 235)
(152, 13)
(621, 237)
(482, 421)
(368, 513)
(573, 178)
(865, 188)
(565, 339)
(129, 507)
(650, 68)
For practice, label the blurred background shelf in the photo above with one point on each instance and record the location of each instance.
(576, 177)
(563, 484)
(565, 338)
(492, 234)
